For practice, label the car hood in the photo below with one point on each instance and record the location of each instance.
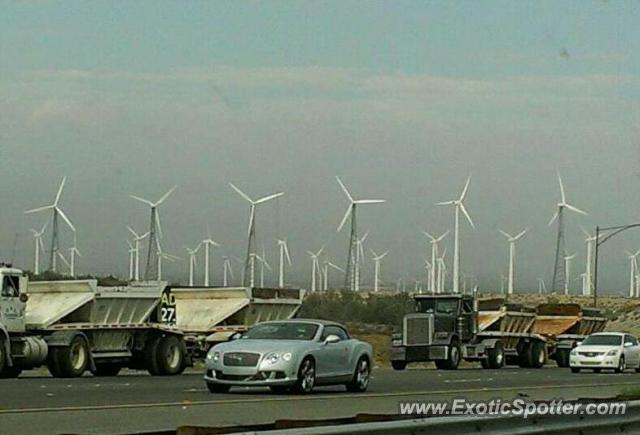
(596, 348)
(262, 346)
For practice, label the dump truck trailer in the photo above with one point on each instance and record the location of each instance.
(566, 325)
(211, 315)
(72, 326)
(447, 328)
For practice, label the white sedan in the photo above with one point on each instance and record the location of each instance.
(606, 350)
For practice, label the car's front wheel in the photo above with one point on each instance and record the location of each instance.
(575, 370)
(306, 377)
(621, 365)
(361, 375)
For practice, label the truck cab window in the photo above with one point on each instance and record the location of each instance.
(425, 305)
(447, 306)
(10, 286)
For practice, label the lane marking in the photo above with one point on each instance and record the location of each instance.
(298, 398)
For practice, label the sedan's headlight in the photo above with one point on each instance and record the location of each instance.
(213, 356)
(286, 356)
(613, 352)
(574, 351)
(272, 358)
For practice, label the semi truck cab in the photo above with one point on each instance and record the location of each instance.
(13, 300)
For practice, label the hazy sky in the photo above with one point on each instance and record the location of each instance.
(402, 99)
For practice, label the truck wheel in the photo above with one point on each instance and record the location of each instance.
(399, 365)
(495, 357)
(10, 372)
(538, 354)
(453, 359)
(69, 361)
(562, 357)
(151, 356)
(106, 369)
(3, 356)
(524, 355)
(170, 355)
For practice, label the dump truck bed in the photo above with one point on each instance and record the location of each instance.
(51, 301)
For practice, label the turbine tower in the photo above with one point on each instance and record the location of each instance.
(376, 261)
(161, 255)
(227, 271)
(136, 240)
(193, 261)
(154, 226)
(458, 206)
(435, 243)
(263, 263)
(284, 254)
(55, 236)
(567, 271)
(73, 251)
(208, 243)
(249, 266)
(359, 257)
(542, 288)
(37, 236)
(325, 272)
(512, 256)
(132, 253)
(559, 275)
(442, 271)
(351, 282)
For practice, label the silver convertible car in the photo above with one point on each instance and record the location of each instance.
(291, 354)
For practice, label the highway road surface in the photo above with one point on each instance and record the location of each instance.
(138, 403)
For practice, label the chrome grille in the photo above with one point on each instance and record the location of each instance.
(417, 330)
(241, 359)
(591, 354)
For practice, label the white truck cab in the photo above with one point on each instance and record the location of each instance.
(13, 299)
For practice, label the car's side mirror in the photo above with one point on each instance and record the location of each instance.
(628, 344)
(235, 336)
(331, 338)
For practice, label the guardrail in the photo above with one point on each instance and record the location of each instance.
(535, 424)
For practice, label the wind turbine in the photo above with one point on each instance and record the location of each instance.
(557, 285)
(435, 243)
(136, 240)
(132, 253)
(227, 271)
(583, 277)
(542, 288)
(590, 241)
(430, 275)
(351, 279)
(284, 253)
(315, 269)
(64, 260)
(567, 271)
(458, 206)
(512, 256)
(376, 260)
(208, 243)
(325, 272)
(163, 256)
(263, 263)
(37, 235)
(73, 251)
(249, 269)
(633, 266)
(503, 281)
(442, 270)
(193, 262)
(154, 226)
(359, 257)
(55, 237)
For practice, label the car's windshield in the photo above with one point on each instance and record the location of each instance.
(603, 340)
(282, 331)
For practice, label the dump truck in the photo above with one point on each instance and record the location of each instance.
(210, 315)
(447, 328)
(565, 326)
(72, 326)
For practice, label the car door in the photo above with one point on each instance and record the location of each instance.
(632, 353)
(330, 354)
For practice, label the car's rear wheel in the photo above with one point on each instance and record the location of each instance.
(306, 377)
(218, 388)
(361, 376)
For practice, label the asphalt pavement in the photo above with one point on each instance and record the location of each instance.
(138, 403)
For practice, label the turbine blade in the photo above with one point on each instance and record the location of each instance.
(522, 233)
(66, 219)
(286, 253)
(269, 198)
(35, 210)
(370, 201)
(576, 209)
(158, 225)
(44, 227)
(241, 193)
(383, 255)
(507, 235)
(584, 231)
(145, 201)
(346, 216)
(165, 196)
(433, 239)
(439, 239)
(466, 186)
(464, 210)
(252, 213)
(133, 232)
(344, 189)
(64, 179)
(562, 195)
(453, 201)
(553, 218)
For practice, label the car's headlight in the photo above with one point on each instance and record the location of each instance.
(286, 356)
(272, 358)
(613, 352)
(574, 351)
(213, 356)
